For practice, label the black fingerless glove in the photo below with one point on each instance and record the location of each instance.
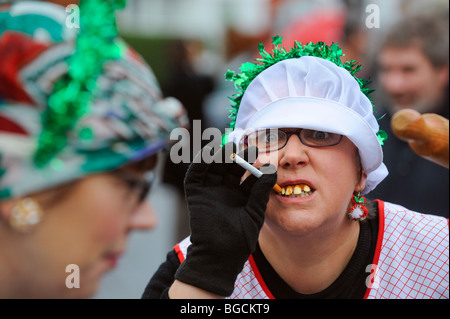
(225, 219)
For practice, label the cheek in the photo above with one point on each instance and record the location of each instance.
(108, 218)
(426, 85)
(339, 172)
(267, 158)
(418, 87)
(98, 215)
(264, 158)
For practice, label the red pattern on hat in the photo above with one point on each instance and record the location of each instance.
(16, 51)
(6, 125)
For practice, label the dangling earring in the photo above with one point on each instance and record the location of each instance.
(25, 215)
(358, 210)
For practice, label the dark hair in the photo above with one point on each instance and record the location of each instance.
(372, 209)
(429, 32)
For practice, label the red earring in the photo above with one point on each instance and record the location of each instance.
(358, 210)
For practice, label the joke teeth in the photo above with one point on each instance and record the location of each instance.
(301, 190)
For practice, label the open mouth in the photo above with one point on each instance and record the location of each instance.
(300, 190)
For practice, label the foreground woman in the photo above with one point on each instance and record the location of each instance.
(320, 237)
(79, 134)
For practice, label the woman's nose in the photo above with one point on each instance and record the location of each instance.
(144, 218)
(294, 153)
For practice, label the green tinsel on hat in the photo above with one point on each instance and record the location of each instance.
(251, 70)
(72, 94)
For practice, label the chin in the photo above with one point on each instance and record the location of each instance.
(294, 222)
(90, 280)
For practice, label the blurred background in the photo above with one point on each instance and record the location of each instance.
(190, 44)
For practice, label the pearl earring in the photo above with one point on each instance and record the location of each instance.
(25, 215)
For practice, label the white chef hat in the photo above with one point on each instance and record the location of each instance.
(313, 93)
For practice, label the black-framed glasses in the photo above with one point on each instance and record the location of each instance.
(269, 140)
(141, 185)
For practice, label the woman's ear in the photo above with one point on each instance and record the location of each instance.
(21, 214)
(5, 208)
(362, 181)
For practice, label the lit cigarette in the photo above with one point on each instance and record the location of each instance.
(253, 170)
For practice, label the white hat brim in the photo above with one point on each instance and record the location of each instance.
(324, 115)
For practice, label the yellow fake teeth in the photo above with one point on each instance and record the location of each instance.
(301, 190)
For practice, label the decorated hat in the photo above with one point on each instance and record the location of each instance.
(73, 101)
(309, 87)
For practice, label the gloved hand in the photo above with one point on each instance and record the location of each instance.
(225, 219)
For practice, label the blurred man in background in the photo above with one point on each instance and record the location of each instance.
(413, 73)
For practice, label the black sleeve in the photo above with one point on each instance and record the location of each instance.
(159, 284)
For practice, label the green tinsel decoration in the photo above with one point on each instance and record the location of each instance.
(72, 94)
(250, 71)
